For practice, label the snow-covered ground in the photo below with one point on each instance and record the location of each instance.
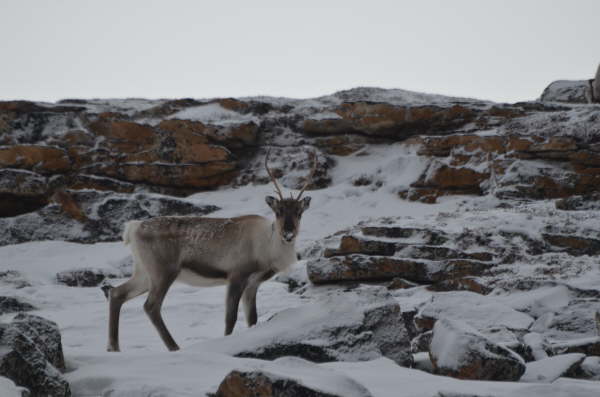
(196, 316)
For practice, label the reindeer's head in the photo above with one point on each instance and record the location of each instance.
(288, 211)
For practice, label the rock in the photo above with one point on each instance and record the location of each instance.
(549, 369)
(289, 377)
(595, 87)
(9, 304)
(574, 245)
(422, 236)
(537, 344)
(125, 136)
(473, 284)
(421, 342)
(32, 355)
(42, 159)
(588, 202)
(587, 346)
(439, 180)
(462, 352)
(384, 120)
(400, 283)
(473, 309)
(89, 216)
(84, 277)
(588, 369)
(21, 191)
(568, 91)
(358, 267)
(353, 326)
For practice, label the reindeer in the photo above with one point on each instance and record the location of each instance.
(241, 252)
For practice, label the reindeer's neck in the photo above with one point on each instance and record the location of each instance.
(283, 255)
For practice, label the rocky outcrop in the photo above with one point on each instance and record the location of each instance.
(349, 327)
(289, 377)
(569, 91)
(362, 258)
(460, 351)
(10, 304)
(89, 216)
(32, 355)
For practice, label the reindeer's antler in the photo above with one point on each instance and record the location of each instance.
(310, 175)
(277, 189)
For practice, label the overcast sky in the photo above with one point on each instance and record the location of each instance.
(502, 50)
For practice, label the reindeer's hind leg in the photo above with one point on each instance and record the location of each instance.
(137, 285)
(158, 290)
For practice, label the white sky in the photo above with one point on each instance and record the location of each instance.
(502, 50)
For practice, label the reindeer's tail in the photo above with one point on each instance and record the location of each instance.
(130, 227)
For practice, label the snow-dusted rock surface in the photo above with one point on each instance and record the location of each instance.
(89, 216)
(289, 377)
(484, 211)
(354, 326)
(551, 368)
(32, 355)
(460, 351)
(570, 91)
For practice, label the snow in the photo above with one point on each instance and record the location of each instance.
(478, 311)
(453, 341)
(551, 368)
(384, 379)
(9, 389)
(212, 113)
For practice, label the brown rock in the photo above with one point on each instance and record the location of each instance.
(201, 176)
(450, 178)
(262, 383)
(69, 206)
(383, 120)
(353, 245)
(400, 283)
(358, 267)
(472, 284)
(44, 159)
(341, 145)
(125, 136)
(555, 144)
(574, 245)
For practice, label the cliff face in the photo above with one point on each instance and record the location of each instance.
(531, 150)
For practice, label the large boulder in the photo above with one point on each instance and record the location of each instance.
(32, 356)
(349, 327)
(289, 377)
(569, 91)
(460, 351)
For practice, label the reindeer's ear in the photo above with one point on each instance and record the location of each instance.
(271, 202)
(305, 203)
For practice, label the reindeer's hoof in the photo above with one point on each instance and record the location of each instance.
(113, 349)
(173, 348)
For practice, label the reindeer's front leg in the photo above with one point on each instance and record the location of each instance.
(249, 296)
(237, 284)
